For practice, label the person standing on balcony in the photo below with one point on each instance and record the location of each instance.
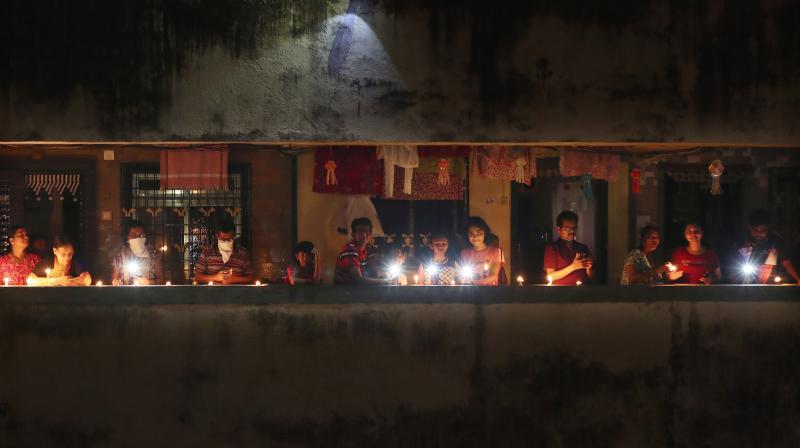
(566, 261)
(17, 265)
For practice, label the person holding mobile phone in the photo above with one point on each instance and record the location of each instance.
(226, 262)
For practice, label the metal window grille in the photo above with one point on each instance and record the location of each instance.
(181, 223)
(5, 216)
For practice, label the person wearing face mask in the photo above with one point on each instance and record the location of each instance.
(136, 263)
(61, 268)
(226, 262)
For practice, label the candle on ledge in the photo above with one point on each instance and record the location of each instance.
(452, 283)
(578, 283)
(6, 280)
(164, 248)
(549, 280)
(416, 279)
(520, 280)
(99, 283)
(777, 279)
(485, 268)
(169, 283)
(211, 283)
(671, 267)
(47, 272)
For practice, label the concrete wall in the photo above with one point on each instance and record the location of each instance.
(76, 371)
(272, 70)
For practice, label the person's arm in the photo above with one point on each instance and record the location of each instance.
(587, 262)
(788, 266)
(360, 279)
(116, 272)
(491, 278)
(200, 268)
(246, 270)
(317, 279)
(558, 274)
(35, 280)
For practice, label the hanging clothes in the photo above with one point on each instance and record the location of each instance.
(347, 170)
(504, 163)
(403, 156)
(427, 185)
(599, 165)
(195, 168)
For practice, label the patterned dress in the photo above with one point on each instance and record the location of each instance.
(638, 260)
(17, 271)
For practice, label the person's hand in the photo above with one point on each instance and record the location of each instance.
(706, 280)
(577, 263)
(142, 281)
(675, 275)
(664, 268)
(116, 282)
(85, 279)
(402, 280)
(587, 262)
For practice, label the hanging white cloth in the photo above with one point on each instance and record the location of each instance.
(404, 156)
(358, 206)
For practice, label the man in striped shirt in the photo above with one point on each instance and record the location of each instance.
(225, 263)
(353, 256)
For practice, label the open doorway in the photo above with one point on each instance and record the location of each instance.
(534, 210)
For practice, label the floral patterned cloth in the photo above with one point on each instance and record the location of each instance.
(17, 271)
(504, 163)
(636, 259)
(426, 185)
(357, 171)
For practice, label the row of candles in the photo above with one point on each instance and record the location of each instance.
(467, 274)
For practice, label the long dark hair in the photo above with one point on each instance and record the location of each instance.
(643, 234)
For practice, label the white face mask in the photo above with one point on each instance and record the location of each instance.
(225, 249)
(138, 246)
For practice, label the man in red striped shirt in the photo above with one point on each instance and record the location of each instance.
(227, 262)
(353, 256)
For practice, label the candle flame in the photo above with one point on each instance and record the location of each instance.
(258, 283)
(416, 278)
(6, 280)
(578, 283)
(168, 283)
(520, 280)
(210, 283)
(777, 279)
(549, 280)
(99, 283)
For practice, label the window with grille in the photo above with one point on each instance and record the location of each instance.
(181, 223)
(5, 216)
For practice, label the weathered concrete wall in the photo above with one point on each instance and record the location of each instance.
(681, 70)
(516, 373)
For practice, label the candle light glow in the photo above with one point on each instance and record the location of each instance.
(6, 280)
(520, 280)
(777, 279)
(578, 283)
(99, 283)
(168, 283)
(549, 280)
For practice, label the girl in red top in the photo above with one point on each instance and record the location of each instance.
(699, 264)
(17, 265)
(484, 260)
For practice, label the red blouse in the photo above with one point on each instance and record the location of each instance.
(16, 272)
(694, 267)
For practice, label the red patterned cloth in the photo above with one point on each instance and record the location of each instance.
(17, 273)
(425, 184)
(357, 171)
(505, 163)
(599, 165)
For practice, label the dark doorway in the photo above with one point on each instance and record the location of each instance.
(687, 198)
(533, 213)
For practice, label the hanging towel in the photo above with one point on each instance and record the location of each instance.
(196, 168)
(599, 165)
(404, 156)
(426, 185)
(505, 163)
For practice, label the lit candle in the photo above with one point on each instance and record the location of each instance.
(578, 283)
(416, 279)
(671, 267)
(164, 248)
(47, 272)
(549, 280)
(99, 283)
(485, 268)
(777, 279)
(210, 283)
(6, 280)
(520, 280)
(169, 283)
(258, 283)
(452, 283)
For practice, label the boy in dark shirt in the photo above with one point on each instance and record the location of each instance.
(353, 256)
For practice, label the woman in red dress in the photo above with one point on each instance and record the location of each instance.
(17, 265)
(700, 264)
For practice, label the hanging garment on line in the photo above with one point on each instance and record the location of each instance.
(347, 170)
(404, 156)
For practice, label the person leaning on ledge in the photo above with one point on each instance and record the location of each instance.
(61, 268)
(353, 257)
(225, 262)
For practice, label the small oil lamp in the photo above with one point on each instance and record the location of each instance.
(416, 279)
(549, 280)
(258, 283)
(211, 283)
(578, 283)
(99, 283)
(777, 279)
(520, 280)
(168, 283)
